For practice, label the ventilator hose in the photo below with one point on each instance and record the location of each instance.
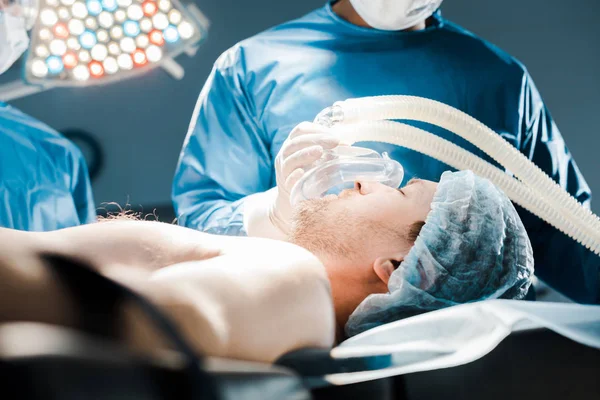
(467, 127)
(449, 153)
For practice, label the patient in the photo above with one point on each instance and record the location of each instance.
(390, 254)
(370, 256)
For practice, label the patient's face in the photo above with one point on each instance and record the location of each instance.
(363, 223)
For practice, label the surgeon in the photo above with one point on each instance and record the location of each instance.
(427, 246)
(263, 87)
(44, 182)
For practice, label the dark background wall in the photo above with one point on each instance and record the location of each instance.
(141, 123)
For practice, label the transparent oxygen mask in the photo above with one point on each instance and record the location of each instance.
(341, 167)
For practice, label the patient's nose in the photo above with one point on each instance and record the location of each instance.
(366, 187)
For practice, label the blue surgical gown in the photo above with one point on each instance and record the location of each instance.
(44, 182)
(262, 87)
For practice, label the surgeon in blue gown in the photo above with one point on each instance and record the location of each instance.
(262, 87)
(44, 182)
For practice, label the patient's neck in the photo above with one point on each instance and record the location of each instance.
(350, 285)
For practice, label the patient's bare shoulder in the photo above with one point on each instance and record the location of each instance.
(261, 299)
(285, 254)
(296, 308)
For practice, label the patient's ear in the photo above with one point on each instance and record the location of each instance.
(384, 267)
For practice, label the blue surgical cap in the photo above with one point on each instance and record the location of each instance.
(472, 247)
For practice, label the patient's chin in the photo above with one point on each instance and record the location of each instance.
(309, 221)
(306, 212)
(320, 228)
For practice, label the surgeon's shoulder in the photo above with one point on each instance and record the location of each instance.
(258, 50)
(36, 137)
(14, 119)
(480, 51)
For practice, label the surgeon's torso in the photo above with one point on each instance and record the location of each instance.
(293, 71)
(35, 175)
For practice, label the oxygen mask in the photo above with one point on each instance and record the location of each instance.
(338, 169)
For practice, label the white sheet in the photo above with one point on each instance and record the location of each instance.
(462, 334)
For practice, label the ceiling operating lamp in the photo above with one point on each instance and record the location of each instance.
(95, 42)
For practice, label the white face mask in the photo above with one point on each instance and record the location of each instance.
(16, 17)
(395, 15)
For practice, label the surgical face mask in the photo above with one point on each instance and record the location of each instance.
(341, 167)
(395, 15)
(16, 18)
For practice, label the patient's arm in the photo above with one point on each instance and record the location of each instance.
(245, 298)
(150, 245)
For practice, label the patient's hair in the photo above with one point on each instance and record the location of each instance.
(117, 212)
(414, 230)
(123, 215)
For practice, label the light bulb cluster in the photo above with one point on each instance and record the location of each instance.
(82, 40)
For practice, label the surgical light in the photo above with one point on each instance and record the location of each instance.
(83, 42)
(131, 28)
(96, 69)
(39, 68)
(157, 38)
(76, 27)
(145, 25)
(84, 56)
(99, 52)
(55, 64)
(61, 31)
(142, 41)
(102, 36)
(174, 17)
(58, 47)
(150, 8)
(63, 13)
(153, 53)
(135, 12)
(127, 45)
(120, 16)
(81, 73)
(70, 60)
(87, 40)
(94, 7)
(48, 17)
(164, 5)
(114, 49)
(139, 57)
(105, 19)
(91, 23)
(171, 34)
(79, 10)
(42, 51)
(73, 44)
(125, 61)
(160, 21)
(186, 30)
(116, 32)
(110, 65)
(45, 34)
(110, 5)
